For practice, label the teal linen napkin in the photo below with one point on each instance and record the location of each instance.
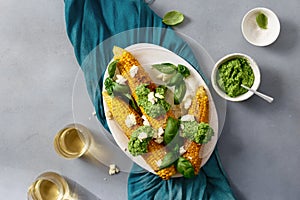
(94, 27)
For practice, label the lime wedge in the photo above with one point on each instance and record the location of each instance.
(173, 18)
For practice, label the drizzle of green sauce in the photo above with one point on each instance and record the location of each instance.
(262, 20)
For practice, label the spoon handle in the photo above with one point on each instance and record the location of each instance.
(265, 97)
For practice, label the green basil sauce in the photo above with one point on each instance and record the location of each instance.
(232, 74)
(200, 133)
(135, 145)
(160, 107)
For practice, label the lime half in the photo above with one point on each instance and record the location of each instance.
(173, 18)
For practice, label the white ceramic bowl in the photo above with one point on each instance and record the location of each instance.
(256, 35)
(252, 64)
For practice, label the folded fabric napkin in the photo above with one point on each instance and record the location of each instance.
(94, 27)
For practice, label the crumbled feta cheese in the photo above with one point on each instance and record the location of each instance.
(142, 136)
(181, 126)
(188, 118)
(160, 131)
(109, 115)
(159, 162)
(182, 150)
(113, 169)
(158, 135)
(159, 140)
(130, 120)
(152, 98)
(145, 122)
(133, 71)
(159, 96)
(121, 80)
(187, 102)
(94, 113)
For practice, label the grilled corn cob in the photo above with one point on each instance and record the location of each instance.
(120, 110)
(126, 62)
(200, 109)
(156, 152)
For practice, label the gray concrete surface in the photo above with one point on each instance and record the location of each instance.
(259, 146)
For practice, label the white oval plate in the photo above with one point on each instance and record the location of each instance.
(147, 55)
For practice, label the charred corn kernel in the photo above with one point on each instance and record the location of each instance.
(167, 173)
(156, 153)
(120, 110)
(200, 109)
(126, 61)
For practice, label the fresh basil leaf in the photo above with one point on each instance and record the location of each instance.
(183, 70)
(171, 129)
(175, 80)
(112, 68)
(173, 18)
(169, 159)
(109, 85)
(185, 167)
(166, 68)
(179, 93)
(123, 89)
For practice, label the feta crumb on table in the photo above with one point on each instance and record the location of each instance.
(113, 169)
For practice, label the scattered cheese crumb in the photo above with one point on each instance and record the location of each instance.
(121, 80)
(133, 71)
(188, 118)
(145, 122)
(181, 126)
(182, 150)
(142, 136)
(159, 96)
(159, 135)
(130, 120)
(152, 98)
(160, 131)
(113, 169)
(94, 113)
(159, 140)
(187, 102)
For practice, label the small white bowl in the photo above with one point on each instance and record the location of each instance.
(252, 64)
(256, 35)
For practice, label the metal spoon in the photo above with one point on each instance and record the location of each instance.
(265, 97)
